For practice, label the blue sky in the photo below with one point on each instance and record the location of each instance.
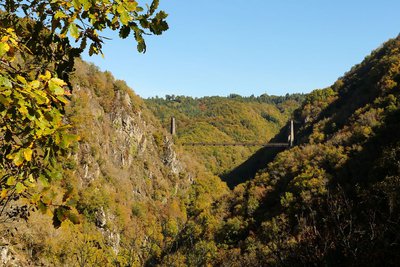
(218, 47)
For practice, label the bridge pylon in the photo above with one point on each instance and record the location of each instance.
(291, 134)
(173, 126)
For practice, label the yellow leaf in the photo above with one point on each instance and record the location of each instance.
(46, 76)
(125, 17)
(35, 198)
(11, 181)
(3, 194)
(23, 110)
(21, 79)
(41, 97)
(131, 6)
(4, 48)
(18, 159)
(28, 154)
(60, 15)
(62, 99)
(58, 81)
(35, 84)
(54, 86)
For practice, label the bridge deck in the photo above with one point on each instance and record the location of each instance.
(239, 144)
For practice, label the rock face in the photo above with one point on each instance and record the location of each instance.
(7, 256)
(170, 157)
(118, 134)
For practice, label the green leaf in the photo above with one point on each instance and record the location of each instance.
(67, 194)
(30, 182)
(42, 207)
(54, 174)
(35, 84)
(44, 181)
(73, 217)
(35, 198)
(60, 214)
(11, 181)
(47, 199)
(124, 32)
(41, 97)
(141, 46)
(18, 158)
(71, 202)
(30, 178)
(67, 140)
(93, 49)
(83, 43)
(154, 5)
(74, 31)
(55, 87)
(5, 82)
(19, 188)
(58, 81)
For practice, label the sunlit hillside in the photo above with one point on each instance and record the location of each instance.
(230, 120)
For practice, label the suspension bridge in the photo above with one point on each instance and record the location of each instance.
(271, 145)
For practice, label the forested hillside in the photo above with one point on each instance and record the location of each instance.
(332, 200)
(131, 191)
(90, 176)
(232, 119)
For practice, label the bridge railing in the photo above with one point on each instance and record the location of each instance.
(238, 144)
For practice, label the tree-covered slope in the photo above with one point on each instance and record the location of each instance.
(333, 199)
(232, 119)
(132, 191)
(133, 198)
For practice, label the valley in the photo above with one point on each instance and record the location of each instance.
(283, 203)
(91, 174)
